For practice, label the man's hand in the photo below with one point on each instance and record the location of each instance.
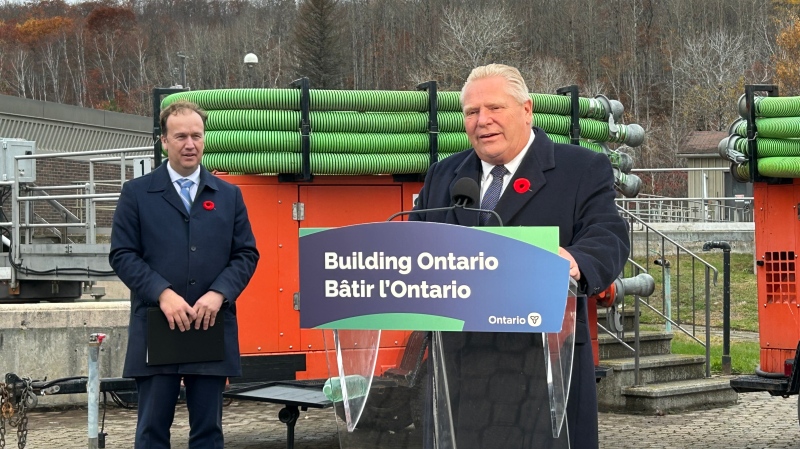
(574, 272)
(176, 309)
(207, 308)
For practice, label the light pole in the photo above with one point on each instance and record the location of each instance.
(183, 57)
(250, 60)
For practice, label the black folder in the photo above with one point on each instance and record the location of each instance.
(166, 346)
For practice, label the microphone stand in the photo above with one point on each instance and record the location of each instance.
(461, 204)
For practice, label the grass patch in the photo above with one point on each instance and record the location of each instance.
(744, 354)
(687, 285)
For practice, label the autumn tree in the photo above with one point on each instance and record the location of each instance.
(110, 29)
(787, 70)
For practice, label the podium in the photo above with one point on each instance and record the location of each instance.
(489, 361)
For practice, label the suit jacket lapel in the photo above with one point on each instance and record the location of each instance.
(470, 168)
(537, 160)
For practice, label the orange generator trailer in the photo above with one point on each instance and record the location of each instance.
(272, 344)
(776, 213)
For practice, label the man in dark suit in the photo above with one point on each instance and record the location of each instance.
(181, 240)
(562, 185)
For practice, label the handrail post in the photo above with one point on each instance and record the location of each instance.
(708, 322)
(726, 301)
(636, 374)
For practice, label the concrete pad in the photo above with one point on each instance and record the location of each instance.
(50, 341)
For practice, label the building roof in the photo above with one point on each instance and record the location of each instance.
(701, 143)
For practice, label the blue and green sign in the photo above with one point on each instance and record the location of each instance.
(431, 276)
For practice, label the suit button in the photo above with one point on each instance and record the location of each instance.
(193, 248)
(191, 282)
(186, 219)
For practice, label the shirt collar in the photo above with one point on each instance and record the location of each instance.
(174, 176)
(512, 165)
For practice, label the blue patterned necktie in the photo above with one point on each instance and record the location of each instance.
(492, 195)
(186, 195)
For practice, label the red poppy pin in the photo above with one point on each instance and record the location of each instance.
(208, 205)
(522, 185)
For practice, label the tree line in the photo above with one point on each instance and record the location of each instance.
(676, 65)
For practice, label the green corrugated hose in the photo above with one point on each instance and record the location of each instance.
(771, 106)
(362, 132)
(779, 128)
(774, 167)
(768, 147)
(401, 122)
(374, 101)
(778, 139)
(365, 143)
(321, 164)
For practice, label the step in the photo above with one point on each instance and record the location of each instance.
(653, 369)
(679, 396)
(650, 343)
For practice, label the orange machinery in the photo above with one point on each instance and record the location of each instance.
(777, 234)
(272, 345)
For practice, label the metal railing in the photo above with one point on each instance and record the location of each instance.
(684, 209)
(677, 308)
(25, 219)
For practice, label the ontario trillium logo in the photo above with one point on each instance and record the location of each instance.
(534, 319)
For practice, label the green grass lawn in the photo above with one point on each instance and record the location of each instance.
(744, 354)
(687, 279)
(688, 306)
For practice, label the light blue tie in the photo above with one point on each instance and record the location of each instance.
(186, 195)
(492, 195)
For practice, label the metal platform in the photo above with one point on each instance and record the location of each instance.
(294, 395)
(750, 384)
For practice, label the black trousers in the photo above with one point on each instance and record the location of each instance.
(158, 396)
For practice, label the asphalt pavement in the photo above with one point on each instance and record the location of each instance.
(757, 421)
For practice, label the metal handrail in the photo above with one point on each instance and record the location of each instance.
(22, 212)
(636, 268)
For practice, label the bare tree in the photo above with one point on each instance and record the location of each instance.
(475, 36)
(547, 73)
(711, 72)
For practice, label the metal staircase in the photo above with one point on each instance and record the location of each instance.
(643, 375)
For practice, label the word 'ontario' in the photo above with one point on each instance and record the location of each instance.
(402, 264)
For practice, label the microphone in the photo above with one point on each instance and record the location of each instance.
(467, 190)
(465, 193)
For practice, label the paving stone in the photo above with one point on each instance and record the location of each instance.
(757, 421)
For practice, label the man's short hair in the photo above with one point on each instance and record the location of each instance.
(516, 83)
(178, 108)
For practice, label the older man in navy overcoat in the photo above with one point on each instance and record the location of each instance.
(529, 181)
(181, 241)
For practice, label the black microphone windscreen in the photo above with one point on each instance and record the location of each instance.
(465, 192)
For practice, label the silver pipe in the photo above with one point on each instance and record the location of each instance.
(93, 387)
(81, 153)
(69, 197)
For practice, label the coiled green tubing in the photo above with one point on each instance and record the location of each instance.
(358, 132)
(777, 139)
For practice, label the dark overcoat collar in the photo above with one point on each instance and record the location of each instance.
(539, 159)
